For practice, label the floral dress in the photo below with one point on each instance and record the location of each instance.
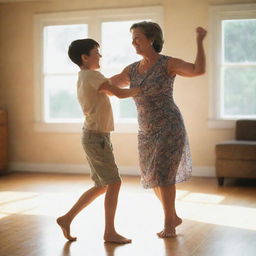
(164, 153)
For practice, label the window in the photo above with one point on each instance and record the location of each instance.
(57, 108)
(114, 61)
(233, 64)
(59, 74)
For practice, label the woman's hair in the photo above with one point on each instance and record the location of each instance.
(79, 47)
(152, 31)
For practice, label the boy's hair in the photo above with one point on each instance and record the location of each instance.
(79, 47)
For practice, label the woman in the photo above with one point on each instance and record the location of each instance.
(164, 153)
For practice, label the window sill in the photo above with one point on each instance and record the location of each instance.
(227, 123)
(77, 127)
(221, 123)
(58, 127)
(126, 128)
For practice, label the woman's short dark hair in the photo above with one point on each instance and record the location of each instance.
(152, 31)
(79, 47)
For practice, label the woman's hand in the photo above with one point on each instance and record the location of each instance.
(105, 88)
(201, 33)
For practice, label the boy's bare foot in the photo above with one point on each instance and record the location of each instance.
(116, 238)
(65, 226)
(167, 232)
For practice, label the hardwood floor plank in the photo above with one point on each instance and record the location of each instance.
(217, 221)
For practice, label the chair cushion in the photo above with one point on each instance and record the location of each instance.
(237, 150)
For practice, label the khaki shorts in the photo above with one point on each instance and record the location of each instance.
(99, 153)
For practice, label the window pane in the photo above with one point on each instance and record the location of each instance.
(127, 108)
(56, 42)
(61, 98)
(239, 40)
(118, 52)
(239, 91)
(117, 49)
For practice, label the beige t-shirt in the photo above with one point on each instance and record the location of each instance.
(96, 106)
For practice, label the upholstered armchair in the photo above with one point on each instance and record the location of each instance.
(237, 158)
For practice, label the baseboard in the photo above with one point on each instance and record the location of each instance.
(63, 168)
(202, 171)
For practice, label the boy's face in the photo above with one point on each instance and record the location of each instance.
(93, 60)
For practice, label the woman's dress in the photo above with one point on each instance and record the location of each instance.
(164, 153)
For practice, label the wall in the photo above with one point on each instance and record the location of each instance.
(48, 151)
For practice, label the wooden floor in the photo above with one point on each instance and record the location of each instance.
(217, 221)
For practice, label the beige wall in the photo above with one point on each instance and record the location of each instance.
(17, 88)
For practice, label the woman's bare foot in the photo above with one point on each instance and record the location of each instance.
(65, 226)
(116, 238)
(167, 232)
(177, 222)
(170, 231)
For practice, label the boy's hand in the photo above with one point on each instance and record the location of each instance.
(118, 92)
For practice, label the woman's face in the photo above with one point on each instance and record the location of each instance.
(140, 42)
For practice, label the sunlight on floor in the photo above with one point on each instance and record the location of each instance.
(205, 208)
(224, 215)
(202, 198)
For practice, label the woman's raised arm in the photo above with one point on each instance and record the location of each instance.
(183, 68)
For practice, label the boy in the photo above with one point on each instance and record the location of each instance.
(91, 89)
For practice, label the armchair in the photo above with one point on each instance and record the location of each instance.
(237, 158)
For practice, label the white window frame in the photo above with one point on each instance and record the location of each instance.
(217, 14)
(94, 17)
